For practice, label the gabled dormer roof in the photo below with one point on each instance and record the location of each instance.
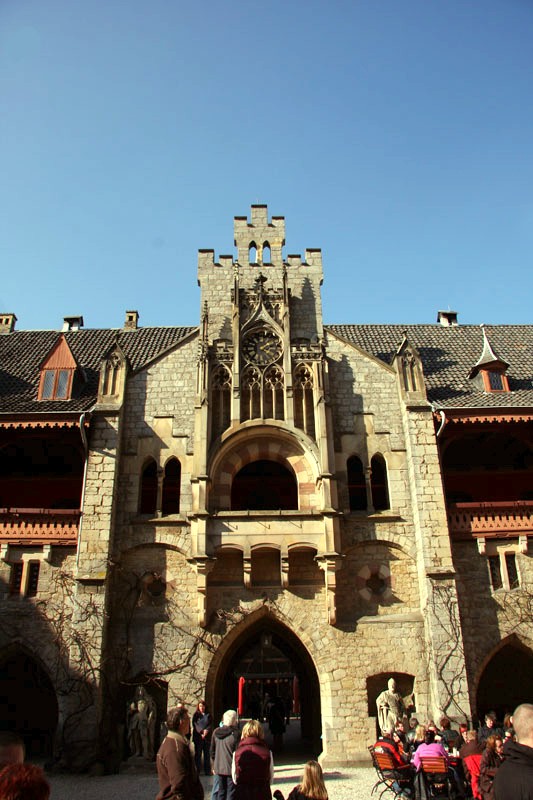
(59, 356)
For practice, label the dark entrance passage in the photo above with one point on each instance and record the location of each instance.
(264, 485)
(28, 702)
(271, 663)
(507, 681)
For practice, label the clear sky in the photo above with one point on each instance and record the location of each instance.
(396, 135)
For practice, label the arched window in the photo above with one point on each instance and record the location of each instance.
(273, 393)
(250, 394)
(266, 253)
(356, 484)
(171, 487)
(252, 253)
(264, 485)
(304, 412)
(378, 482)
(220, 400)
(148, 499)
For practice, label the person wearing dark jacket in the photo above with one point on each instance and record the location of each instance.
(252, 769)
(514, 780)
(176, 770)
(201, 736)
(491, 761)
(223, 743)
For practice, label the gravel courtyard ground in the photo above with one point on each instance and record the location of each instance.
(346, 784)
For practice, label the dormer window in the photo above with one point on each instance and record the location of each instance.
(56, 384)
(495, 381)
(57, 373)
(489, 371)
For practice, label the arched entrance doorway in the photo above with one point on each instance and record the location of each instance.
(273, 663)
(506, 681)
(29, 702)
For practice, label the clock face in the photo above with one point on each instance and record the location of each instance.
(262, 348)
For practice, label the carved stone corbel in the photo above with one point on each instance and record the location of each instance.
(202, 565)
(330, 564)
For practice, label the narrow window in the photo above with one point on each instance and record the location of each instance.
(48, 384)
(266, 253)
(251, 394)
(495, 572)
(252, 253)
(273, 406)
(171, 487)
(512, 572)
(148, 501)
(380, 492)
(356, 484)
(220, 400)
(495, 381)
(15, 581)
(33, 578)
(62, 384)
(304, 410)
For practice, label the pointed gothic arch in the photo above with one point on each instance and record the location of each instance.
(28, 700)
(505, 678)
(262, 629)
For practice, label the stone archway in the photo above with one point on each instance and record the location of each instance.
(29, 702)
(506, 679)
(284, 657)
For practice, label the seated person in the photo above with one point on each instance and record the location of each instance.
(449, 737)
(489, 728)
(471, 746)
(400, 733)
(429, 747)
(390, 743)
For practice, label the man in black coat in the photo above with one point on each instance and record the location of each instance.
(514, 779)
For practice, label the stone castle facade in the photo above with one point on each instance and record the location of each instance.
(313, 508)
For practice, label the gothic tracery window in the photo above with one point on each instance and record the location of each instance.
(221, 399)
(273, 393)
(250, 393)
(304, 412)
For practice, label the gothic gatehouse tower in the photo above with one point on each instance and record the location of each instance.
(262, 505)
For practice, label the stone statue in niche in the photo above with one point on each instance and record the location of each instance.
(390, 706)
(141, 722)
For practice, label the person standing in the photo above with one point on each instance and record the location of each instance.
(252, 769)
(201, 735)
(223, 744)
(514, 779)
(176, 770)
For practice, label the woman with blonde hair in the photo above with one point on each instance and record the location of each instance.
(312, 786)
(252, 768)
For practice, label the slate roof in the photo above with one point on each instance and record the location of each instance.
(22, 353)
(449, 353)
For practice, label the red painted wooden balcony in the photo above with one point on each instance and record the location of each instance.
(36, 526)
(496, 520)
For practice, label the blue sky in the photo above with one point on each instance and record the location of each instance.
(396, 135)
